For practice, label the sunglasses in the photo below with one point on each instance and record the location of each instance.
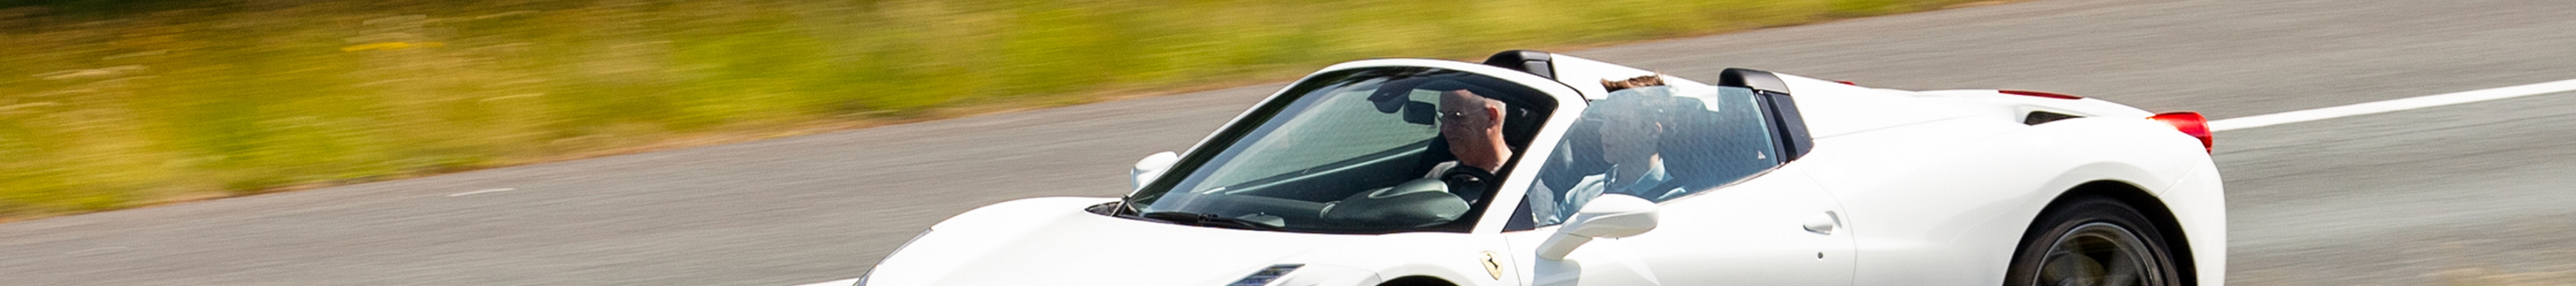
(1454, 116)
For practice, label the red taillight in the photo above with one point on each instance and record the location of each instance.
(2191, 123)
(2039, 94)
(1846, 82)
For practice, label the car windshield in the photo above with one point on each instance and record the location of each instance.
(1373, 150)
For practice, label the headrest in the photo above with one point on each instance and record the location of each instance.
(1533, 62)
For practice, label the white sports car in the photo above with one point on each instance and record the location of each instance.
(1543, 169)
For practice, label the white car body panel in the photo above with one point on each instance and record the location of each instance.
(1836, 109)
(1747, 236)
(2199, 202)
(1919, 188)
(1046, 241)
(1895, 157)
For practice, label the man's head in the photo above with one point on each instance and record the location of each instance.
(1631, 126)
(1632, 122)
(1473, 125)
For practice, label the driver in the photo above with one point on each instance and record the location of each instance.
(1472, 124)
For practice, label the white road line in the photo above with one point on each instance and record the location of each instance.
(842, 282)
(2392, 105)
(482, 191)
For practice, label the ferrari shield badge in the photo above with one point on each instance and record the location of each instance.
(1492, 267)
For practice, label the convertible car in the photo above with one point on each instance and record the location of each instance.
(1533, 168)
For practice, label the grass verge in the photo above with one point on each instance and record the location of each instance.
(116, 104)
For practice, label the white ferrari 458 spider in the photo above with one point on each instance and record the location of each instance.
(1544, 169)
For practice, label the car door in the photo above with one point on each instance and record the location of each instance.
(1600, 262)
(1779, 229)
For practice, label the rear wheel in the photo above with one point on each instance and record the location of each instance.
(2093, 241)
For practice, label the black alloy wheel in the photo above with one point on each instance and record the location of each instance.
(2093, 242)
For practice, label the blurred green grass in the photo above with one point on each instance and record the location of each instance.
(111, 104)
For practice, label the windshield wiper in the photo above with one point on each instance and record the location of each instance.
(1209, 220)
(1127, 206)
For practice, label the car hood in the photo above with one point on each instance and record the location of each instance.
(1051, 241)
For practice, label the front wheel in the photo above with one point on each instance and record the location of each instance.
(2093, 241)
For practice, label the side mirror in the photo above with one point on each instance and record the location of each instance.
(1611, 216)
(1149, 168)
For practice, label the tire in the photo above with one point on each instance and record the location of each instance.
(2093, 241)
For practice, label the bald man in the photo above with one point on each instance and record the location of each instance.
(1474, 127)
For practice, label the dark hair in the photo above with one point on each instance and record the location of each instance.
(1643, 81)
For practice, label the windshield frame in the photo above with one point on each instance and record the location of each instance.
(1568, 104)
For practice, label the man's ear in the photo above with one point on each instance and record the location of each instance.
(1494, 114)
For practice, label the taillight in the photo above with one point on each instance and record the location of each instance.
(2039, 94)
(2191, 123)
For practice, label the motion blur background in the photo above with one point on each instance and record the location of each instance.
(108, 104)
(118, 104)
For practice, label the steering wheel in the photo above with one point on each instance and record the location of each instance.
(1468, 183)
(1424, 201)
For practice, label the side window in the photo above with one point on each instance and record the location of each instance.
(1657, 143)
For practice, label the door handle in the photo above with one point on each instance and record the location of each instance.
(1824, 224)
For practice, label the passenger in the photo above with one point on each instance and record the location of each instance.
(1628, 142)
(1632, 124)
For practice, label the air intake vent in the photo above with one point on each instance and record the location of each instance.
(2037, 117)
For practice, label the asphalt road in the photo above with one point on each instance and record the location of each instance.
(2471, 194)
